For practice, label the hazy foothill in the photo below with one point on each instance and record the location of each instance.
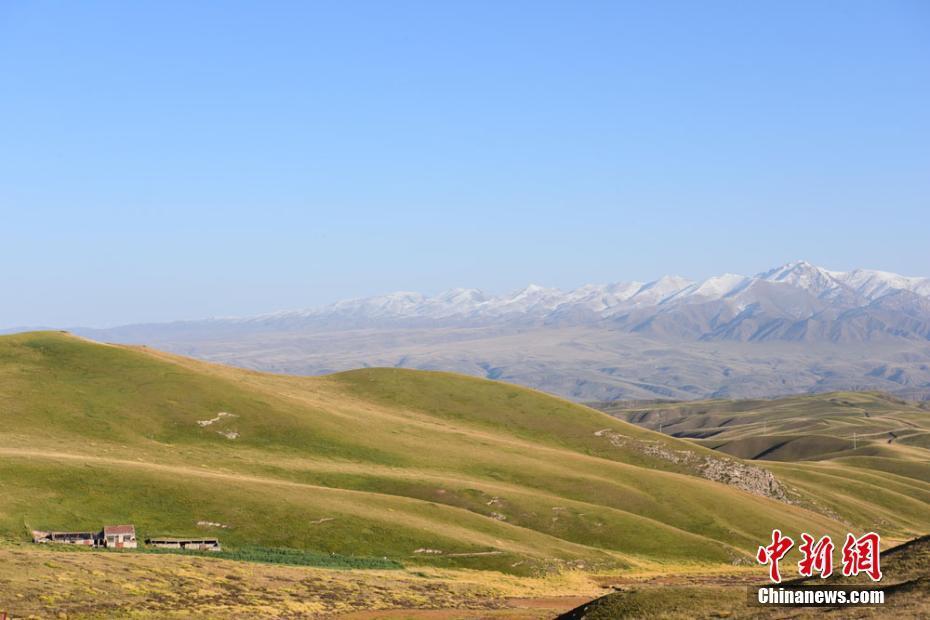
(792, 329)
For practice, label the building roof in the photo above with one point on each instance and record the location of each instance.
(41, 534)
(162, 539)
(115, 530)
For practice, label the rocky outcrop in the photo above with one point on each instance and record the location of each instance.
(749, 478)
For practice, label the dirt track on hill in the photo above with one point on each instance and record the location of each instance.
(514, 609)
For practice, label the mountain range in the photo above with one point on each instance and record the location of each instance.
(797, 301)
(794, 328)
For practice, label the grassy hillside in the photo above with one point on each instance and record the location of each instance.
(861, 454)
(420, 467)
(790, 429)
(906, 584)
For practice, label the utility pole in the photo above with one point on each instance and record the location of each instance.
(855, 444)
(660, 421)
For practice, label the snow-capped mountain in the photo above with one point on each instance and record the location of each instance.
(796, 301)
(794, 328)
(874, 284)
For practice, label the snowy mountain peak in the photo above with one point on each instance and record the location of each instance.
(802, 274)
(534, 289)
(639, 337)
(796, 271)
(462, 295)
(671, 282)
(784, 301)
(665, 288)
(873, 284)
(532, 299)
(718, 286)
(624, 289)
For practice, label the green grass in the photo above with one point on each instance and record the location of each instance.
(861, 456)
(248, 553)
(376, 463)
(291, 557)
(789, 429)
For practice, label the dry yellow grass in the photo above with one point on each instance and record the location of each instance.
(47, 583)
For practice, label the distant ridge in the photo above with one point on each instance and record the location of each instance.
(796, 328)
(797, 301)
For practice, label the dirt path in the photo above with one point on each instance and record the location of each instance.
(513, 609)
(173, 469)
(550, 607)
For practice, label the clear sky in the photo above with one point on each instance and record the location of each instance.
(165, 160)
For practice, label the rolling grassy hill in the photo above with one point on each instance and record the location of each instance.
(794, 428)
(420, 467)
(861, 454)
(866, 428)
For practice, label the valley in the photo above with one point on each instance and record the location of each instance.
(818, 427)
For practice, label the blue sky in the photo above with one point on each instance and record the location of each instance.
(170, 160)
